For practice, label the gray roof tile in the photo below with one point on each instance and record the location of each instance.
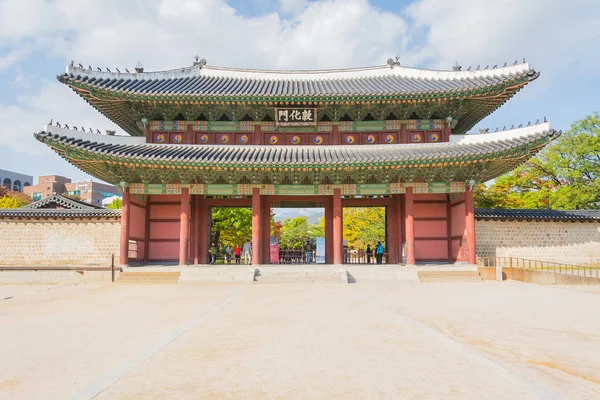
(537, 214)
(298, 155)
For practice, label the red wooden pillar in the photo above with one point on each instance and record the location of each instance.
(266, 229)
(410, 226)
(147, 231)
(257, 135)
(397, 204)
(449, 227)
(124, 241)
(184, 227)
(329, 230)
(447, 132)
(147, 134)
(392, 232)
(470, 226)
(338, 228)
(256, 226)
(189, 134)
(197, 230)
(335, 134)
(393, 220)
(403, 133)
(202, 212)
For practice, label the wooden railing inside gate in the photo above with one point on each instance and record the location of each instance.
(538, 271)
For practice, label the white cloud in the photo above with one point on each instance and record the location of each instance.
(19, 121)
(553, 34)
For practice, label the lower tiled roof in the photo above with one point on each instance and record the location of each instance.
(295, 155)
(537, 214)
(59, 213)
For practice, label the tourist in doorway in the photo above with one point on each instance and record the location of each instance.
(237, 252)
(228, 253)
(309, 252)
(369, 253)
(247, 249)
(213, 252)
(379, 253)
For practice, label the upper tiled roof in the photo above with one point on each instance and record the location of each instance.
(59, 201)
(537, 214)
(209, 81)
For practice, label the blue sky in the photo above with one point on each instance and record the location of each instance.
(39, 37)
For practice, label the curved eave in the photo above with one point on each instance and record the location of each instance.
(490, 159)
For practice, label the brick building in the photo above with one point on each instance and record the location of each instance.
(88, 191)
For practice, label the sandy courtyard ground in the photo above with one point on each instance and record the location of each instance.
(372, 340)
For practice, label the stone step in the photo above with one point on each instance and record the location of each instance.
(449, 276)
(149, 277)
(293, 274)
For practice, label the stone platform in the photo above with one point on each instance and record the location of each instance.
(349, 273)
(305, 273)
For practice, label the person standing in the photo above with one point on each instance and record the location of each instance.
(247, 249)
(237, 252)
(213, 252)
(228, 253)
(369, 253)
(309, 252)
(379, 253)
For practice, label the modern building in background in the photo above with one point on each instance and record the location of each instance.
(14, 180)
(88, 191)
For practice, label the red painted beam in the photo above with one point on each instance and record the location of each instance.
(366, 202)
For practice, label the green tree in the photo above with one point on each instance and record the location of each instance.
(71, 196)
(115, 204)
(296, 231)
(231, 225)
(562, 176)
(12, 199)
(363, 226)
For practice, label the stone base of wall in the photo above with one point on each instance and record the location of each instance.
(50, 277)
(559, 242)
(540, 277)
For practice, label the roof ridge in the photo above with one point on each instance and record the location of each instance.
(62, 200)
(199, 69)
